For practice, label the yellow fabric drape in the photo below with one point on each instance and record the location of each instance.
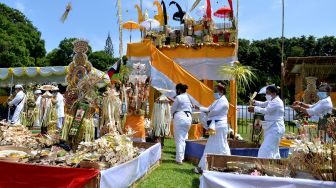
(176, 73)
(136, 123)
(198, 90)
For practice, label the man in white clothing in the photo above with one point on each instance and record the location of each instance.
(18, 103)
(273, 126)
(38, 97)
(322, 109)
(59, 101)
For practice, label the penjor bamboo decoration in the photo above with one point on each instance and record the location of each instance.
(66, 13)
(194, 5)
(120, 28)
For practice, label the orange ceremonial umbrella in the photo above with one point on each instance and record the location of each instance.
(130, 25)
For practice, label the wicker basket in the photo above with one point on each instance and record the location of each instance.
(14, 159)
(144, 145)
(89, 164)
(277, 167)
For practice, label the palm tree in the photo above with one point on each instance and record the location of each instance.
(244, 75)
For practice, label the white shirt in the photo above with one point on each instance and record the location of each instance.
(273, 110)
(38, 100)
(321, 108)
(18, 99)
(217, 110)
(60, 105)
(182, 103)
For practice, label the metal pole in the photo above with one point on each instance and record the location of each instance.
(282, 50)
(130, 35)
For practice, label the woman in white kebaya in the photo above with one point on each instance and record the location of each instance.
(182, 119)
(217, 120)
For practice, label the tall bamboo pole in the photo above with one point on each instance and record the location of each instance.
(235, 124)
(141, 14)
(282, 49)
(120, 29)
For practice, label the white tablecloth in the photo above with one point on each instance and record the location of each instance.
(126, 174)
(211, 179)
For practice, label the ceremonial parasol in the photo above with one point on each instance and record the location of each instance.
(201, 11)
(130, 25)
(223, 12)
(263, 90)
(150, 23)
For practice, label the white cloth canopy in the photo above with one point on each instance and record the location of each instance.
(39, 75)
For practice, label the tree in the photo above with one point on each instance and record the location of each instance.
(101, 60)
(109, 46)
(62, 56)
(326, 46)
(297, 51)
(244, 75)
(265, 56)
(21, 43)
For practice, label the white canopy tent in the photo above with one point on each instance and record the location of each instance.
(40, 75)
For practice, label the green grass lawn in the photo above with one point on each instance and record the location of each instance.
(169, 174)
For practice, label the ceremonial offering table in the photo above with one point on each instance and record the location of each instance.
(17, 175)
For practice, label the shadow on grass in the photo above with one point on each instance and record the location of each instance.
(170, 152)
(168, 161)
(195, 182)
(185, 170)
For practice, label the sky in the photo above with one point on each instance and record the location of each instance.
(93, 20)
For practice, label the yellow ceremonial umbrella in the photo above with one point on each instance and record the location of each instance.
(130, 25)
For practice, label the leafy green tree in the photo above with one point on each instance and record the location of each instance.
(62, 56)
(265, 56)
(20, 41)
(297, 51)
(326, 46)
(101, 60)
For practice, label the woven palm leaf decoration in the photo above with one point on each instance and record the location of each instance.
(66, 12)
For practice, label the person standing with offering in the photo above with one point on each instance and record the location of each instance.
(274, 125)
(322, 107)
(217, 118)
(59, 102)
(18, 102)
